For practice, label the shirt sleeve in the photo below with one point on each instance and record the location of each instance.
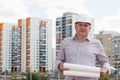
(102, 58)
(60, 56)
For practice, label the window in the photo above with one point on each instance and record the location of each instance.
(58, 29)
(58, 38)
(69, 21)
(58, 23)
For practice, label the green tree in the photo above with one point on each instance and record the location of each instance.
(43, 77)
(34, 76)
(5, 72)
(28, 75)
(14, 76)
(105, 78)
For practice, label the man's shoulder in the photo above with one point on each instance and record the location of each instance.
(68, 39)
(95, 40)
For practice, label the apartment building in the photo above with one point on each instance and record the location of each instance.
(6, 46)
(111, 43)
(36, 44)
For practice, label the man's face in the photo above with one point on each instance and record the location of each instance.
(82, 28)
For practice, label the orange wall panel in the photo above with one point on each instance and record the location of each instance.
(28, 21)
(1, 26)
(19, 22)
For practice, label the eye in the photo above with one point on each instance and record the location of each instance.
(85, 25)
(80, 24)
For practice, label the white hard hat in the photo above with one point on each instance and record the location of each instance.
(83, 18)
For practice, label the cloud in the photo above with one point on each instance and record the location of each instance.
(56, 3)
(11, 10)
(108, 23)
(60, 6)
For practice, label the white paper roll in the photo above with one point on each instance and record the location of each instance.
(83, 68)
(81, 74)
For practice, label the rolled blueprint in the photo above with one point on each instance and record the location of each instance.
(81, 74)
(77, 67)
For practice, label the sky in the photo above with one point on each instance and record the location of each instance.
(106, 13)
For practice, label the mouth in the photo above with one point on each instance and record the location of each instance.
(82, 31)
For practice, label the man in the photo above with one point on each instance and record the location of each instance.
(80, 49)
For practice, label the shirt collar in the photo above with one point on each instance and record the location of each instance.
(86, 39)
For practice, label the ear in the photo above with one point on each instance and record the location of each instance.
(90, 28)
(75, 26)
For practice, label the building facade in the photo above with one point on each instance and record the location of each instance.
(111, 44)
(6, 30)
(36, 44)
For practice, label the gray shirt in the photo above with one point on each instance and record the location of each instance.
(87, 52)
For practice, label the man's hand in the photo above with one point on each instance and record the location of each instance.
(103, 72)
(61, 68)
